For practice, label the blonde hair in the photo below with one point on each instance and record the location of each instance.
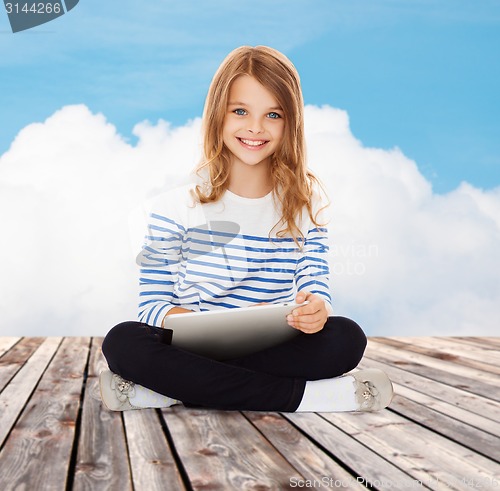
(293, 184)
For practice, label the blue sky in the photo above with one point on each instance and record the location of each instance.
(419, 75)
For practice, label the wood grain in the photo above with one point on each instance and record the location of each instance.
(442, 430)
(430, 386)
(37, 454)
(6, 343)
(102, 460)
(221, 450)
(311, 462)
(14, 359)
(456, 375)
(445, 349)
(455, 413)
(364, 462)
(14, 397)
(152, 463)
(414, 449)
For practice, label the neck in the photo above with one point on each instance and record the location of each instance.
(250, 181)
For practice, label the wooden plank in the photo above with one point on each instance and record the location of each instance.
(434, 460)
(102, 460)
(434, 429)
(441, 391)
(222, 450)
(469, 379)
(441, 362)
(449, 410)
(14, 396)
(483, 344)
(363, 461)
(12, 361)
(486, 341)
(301, 453)
(467, 355)
(151, 460)
(38, 450)
(6, 343)
(480, 441)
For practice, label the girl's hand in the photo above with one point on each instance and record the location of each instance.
(311, 317)
(175, 310)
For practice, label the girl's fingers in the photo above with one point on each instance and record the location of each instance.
(314, 306)
(308, 327)
(306, 319)
(306, 310)
(311, 329)
(312, 317)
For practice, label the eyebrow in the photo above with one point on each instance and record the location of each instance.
(236, 103)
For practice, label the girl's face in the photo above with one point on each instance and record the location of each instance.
(254, 123)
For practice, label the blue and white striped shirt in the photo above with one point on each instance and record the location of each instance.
(220, 255)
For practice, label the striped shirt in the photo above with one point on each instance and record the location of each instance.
(220, 255)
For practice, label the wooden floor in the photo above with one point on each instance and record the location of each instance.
(442, 430)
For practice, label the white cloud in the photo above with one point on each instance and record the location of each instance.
(405, 260)
(67, 188)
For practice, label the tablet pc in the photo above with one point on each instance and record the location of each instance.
(232, 333)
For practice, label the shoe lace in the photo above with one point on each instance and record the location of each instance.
(125, 389)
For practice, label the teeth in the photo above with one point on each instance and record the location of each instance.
(253, 143)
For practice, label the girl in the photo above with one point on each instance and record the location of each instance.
(249, 232)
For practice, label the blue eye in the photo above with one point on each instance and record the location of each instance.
(274, 115)
(240, 112)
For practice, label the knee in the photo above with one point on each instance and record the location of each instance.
(117, 338)
(343, 347)
(349, 331)
(353, 338)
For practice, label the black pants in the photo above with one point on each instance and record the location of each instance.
(270, 380)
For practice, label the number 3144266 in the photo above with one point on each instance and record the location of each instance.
(33, 8)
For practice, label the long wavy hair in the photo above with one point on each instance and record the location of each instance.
(293, 184)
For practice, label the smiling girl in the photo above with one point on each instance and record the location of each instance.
(253, 174)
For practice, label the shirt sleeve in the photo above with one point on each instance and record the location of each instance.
(159, 262)
(313, 271)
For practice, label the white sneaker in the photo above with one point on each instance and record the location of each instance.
(374, 389)
(116, 391)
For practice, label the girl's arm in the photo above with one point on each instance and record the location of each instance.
(313, 271)
(159, 263)
(313, 284)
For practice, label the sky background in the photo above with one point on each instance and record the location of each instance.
(99, 108)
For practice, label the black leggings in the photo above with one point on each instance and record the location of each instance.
(270, 380)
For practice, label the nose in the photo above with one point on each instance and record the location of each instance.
(255, 125)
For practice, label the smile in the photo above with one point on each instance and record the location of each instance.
(253, 143)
